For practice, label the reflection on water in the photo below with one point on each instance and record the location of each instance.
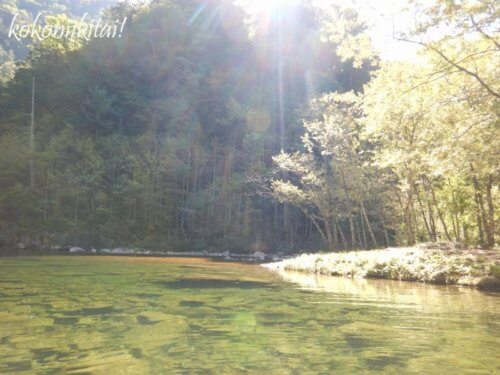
(400, 294)
(105, 315)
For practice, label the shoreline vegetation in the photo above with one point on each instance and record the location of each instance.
(195, 130)
(433, 263)
(445, 264)
(252, 257)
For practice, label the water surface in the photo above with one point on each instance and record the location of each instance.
(112, 315)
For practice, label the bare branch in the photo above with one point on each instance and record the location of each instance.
(454, 64)
(483, 33)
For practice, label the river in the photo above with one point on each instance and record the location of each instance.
(112, 315)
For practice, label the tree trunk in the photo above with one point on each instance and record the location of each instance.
(432, 236)
(329, 235)
(351, 228)
(410, 234)
(409, 220)
(75, 215)
(214, 177)
(454, 214)
(342, 237)
(440, 214)
(368, 225)
(334, 231)
(359, 236)
(386, 235)
(480, 211)
(490, 230)
(465, 232)
(432, 223)
(363, 230)
(316, 224)
(32, 138)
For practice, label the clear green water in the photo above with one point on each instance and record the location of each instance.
(112, 315)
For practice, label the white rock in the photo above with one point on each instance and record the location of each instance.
(76, 249)
(122, 250)
(259, 255)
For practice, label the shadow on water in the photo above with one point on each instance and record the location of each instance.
(201, 283)
(66, 320)
(90, 311)
(380, 362)
(147, 295)
(191, 303)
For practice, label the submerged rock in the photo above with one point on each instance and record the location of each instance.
(153, 316)
(155, 329)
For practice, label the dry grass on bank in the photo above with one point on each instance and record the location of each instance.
(439, 264)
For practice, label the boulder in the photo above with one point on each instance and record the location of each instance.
(489, 282)
(122, 250)
(259, 255)
(75, 249)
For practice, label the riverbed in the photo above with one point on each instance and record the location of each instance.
(103, 315)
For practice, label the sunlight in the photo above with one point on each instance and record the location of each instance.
(265, 6)
(381, 17)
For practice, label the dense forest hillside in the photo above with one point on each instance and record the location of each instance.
(202, 128)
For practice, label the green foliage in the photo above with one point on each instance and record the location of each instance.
(330, 180)
(437, 132)
(164, 137)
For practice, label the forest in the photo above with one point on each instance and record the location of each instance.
(203, 128)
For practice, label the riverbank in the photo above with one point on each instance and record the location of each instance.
(255, 257)
(424, 263)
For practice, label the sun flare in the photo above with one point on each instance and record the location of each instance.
(265, 6)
